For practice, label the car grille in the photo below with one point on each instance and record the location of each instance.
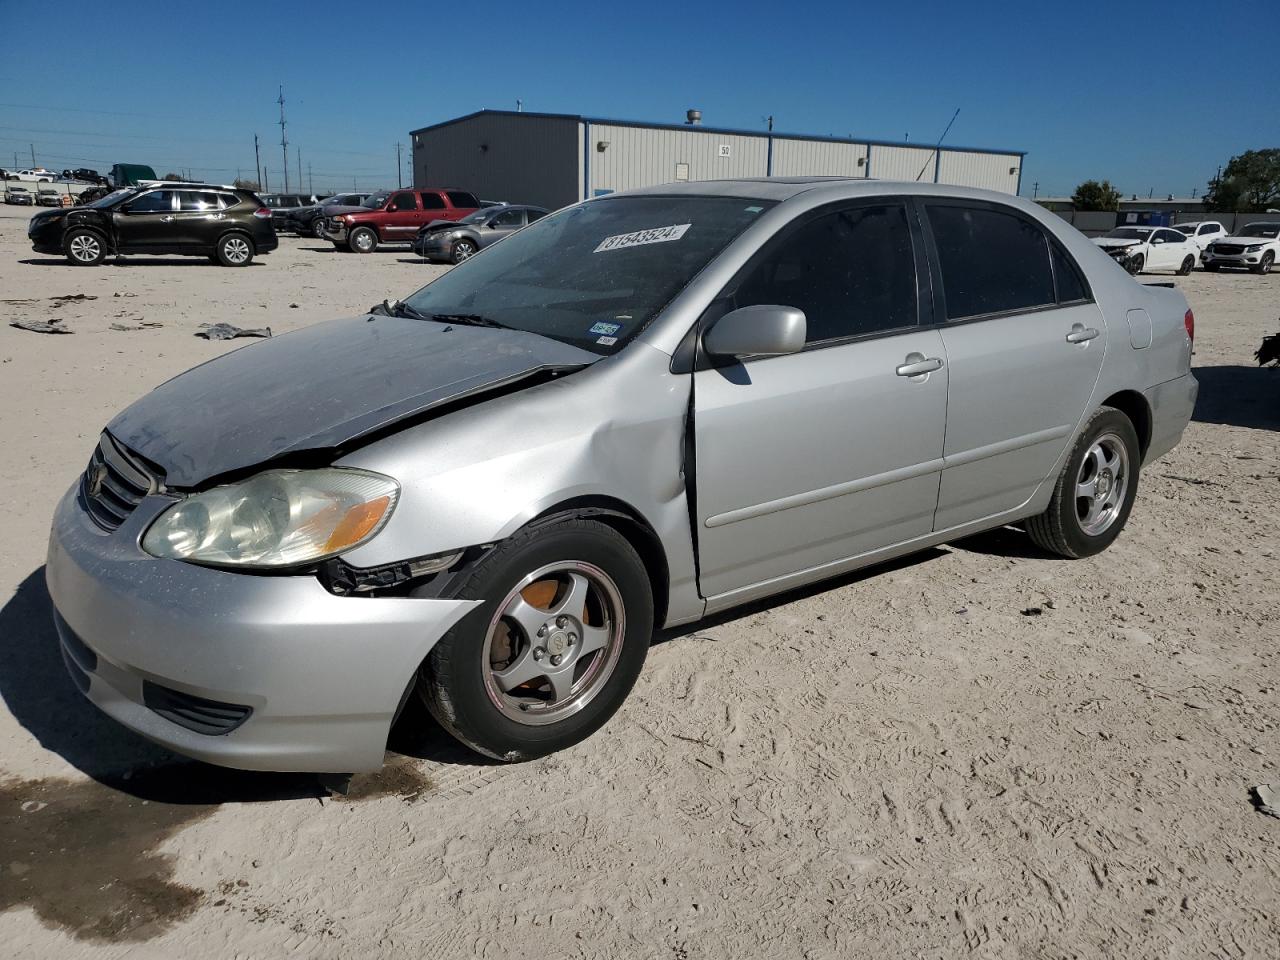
(212, 718)
(114, 484)
(1228, 251)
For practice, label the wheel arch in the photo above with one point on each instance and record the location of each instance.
(96, 229)
(1134, 406)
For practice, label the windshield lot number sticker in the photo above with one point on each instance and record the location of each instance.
(641, 237)
(607, 341)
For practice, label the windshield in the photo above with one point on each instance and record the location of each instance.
(111, 199)
(478, 217)
(593, 275)
(1266, 231)
(1128, 233)
(1188, 228)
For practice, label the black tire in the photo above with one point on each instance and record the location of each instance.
(1059, 529)
(463, 249)
(1211, 267)
(362, 240)
(1264, 267)
(317, 228)
(1135, 264)
(1188, 264)
(234, 250)
(452, 680)
(84, 248)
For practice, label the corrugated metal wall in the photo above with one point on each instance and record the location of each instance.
(517, 159)
(901, 163)
(818, 158)
(986, 170)
(642, 157)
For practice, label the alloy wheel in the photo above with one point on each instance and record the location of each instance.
(1101, 484)
(463, 250)
(553, 643)
(86, 248)
(236, 250)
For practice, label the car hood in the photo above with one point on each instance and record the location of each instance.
(321, 388)
(1111, 243)
(1241, 241)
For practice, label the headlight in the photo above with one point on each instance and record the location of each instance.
(279, 518)
(1253, 248)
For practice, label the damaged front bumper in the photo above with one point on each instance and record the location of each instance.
(249, 671)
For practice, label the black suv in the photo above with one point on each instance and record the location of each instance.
(225, 224)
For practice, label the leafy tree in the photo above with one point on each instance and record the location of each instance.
(243, 184)
(1092, 195)
(173, 176)
(1250, 182)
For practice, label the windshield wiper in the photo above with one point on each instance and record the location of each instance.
(469, 320)
(398, 308)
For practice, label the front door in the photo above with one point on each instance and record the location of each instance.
(501, 225)
(806, 460)
(146, 223)
(1024, 345)
(402, 217)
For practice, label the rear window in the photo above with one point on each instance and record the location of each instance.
(991, 261)
(461, 199)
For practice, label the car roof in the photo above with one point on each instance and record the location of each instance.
(785, 188)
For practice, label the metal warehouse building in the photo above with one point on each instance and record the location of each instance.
(554, 159)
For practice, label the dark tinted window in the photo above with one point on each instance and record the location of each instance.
(1208, 228)
(193, 200)
(536, 215)
(229, 199)
(460, 199)
(432, 201)
(508, 218)
(1071, 286)
(403, 201)
(152, 202)
(851, 272)
(991, 261)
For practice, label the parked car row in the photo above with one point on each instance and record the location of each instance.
(1141, 249)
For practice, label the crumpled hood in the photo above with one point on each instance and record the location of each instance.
(1110, 243)
(321, 387)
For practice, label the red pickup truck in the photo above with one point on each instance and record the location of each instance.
(396, 216)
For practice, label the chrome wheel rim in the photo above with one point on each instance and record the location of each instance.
(364, 242)
(553, 643)
(85, 248)
(317, 228)
(1101, 484)
(464, 250)
(236, 250)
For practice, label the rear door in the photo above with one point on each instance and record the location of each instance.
(198, 221)
(1024, 345)
(402, 216)
(805, 460)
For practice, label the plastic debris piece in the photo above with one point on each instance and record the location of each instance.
(144, 325)
(75, 296)
(227, 331)
(39, 326)
(1268, 799)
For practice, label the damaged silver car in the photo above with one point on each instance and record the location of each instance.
(643, 409)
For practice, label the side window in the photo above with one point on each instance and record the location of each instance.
(1172, 236)
(461, 199)
(851, 272)
(154, 202)
(402, 201)
(536, 215)
(432, 201)
(1208, 228)
(1071, 286)
(193, 201)
(228, 200)
(992, 262)
(508, 218)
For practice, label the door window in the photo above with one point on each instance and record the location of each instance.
(402, 202)
(432, 201)
(536, 215)
(991, 261)
(508, 218)
(1209, 228)
(460, 198)
(851, 272)
(1067, 276)
(195, 201)
(155, 202)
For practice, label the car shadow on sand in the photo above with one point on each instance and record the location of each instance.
(1239, 396)
(134, 262)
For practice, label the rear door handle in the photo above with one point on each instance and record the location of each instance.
(1080, 333)
(918, 364)
(168, 219)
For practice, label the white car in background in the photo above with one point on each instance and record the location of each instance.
(1202, 232)
(1141, 249)
(1255, 246)
(38, 175)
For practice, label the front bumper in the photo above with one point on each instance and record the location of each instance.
(1232, 259)
(322, 676)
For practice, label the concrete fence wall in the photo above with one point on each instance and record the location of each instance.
(1093, 223)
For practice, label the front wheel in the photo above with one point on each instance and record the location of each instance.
(1094, 493)
(553, 649)
(1135, 264)
(84, 248)
(362, 240)
(464, 249)
(234, 250)
(317, 228)
(1264, 267)
(1188, 264)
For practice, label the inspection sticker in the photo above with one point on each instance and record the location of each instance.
(641, 237)
(608, 329)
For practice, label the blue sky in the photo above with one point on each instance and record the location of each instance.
(1124, 91)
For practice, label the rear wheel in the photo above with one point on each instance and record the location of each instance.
(1268, 259)
(362, 240)
(1094, 493)
(555, 646)
(1188, 264)
(84, 248)
(234, 250)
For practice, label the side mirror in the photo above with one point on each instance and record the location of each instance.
(765, 330)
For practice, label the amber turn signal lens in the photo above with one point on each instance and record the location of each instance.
(357, 524)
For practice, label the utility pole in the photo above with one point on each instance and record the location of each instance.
(311, 184)
(1035, 190)
(265, 187)
(284, 143)
(257, 161)
(298, 154)
(519, 106)
(33, 154)
(399, 168)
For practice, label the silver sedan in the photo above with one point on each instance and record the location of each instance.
(641, 410)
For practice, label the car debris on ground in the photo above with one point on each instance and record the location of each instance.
(1268, 798)
(40, 326)
(227, 331)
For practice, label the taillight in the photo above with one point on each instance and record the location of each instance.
(1189, 321)
(263, 213)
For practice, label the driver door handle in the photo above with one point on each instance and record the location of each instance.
(917, 364)
(1080, 333)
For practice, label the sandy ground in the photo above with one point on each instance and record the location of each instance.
(980, 750)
